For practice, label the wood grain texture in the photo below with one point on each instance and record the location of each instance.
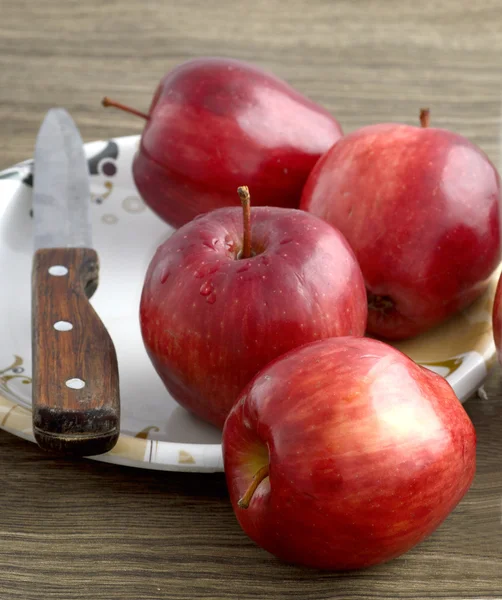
(82, 421)
(74, 530)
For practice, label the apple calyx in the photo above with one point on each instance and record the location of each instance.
(260, 475)
(106, 102)
(425, 117)
(245, 197)
(384, 304)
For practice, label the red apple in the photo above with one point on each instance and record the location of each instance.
(497, 319)
(420, 208)
(214, 122)
(212, 317)
(344, 453)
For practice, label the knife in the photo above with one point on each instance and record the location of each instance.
(76, 406)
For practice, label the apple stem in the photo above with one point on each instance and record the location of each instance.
(106, 102)
(248, 494)
(425, 117)
(243, 192)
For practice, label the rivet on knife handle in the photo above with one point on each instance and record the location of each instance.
(76, 406)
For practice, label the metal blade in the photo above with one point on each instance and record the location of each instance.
(61, 189)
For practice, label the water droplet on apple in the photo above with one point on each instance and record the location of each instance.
(164, 275)
(211, 299)
(206, 270)
(206, 288)
(286, 241)
(213, 269)
(212, 244)
(201, 271)
(265, 260)
(245, 267)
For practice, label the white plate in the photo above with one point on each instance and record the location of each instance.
(157, 433)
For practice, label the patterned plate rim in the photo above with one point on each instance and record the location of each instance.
(141, 452)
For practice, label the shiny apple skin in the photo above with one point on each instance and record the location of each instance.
(214, 321)
(420, 208)
(216, 124)
(368, 453)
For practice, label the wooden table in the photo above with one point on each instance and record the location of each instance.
(75, 530)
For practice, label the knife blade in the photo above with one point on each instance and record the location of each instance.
(76, 404)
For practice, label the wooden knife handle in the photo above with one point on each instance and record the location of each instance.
(76, 406)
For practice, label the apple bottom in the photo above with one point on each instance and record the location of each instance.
(365, 459)
(404, 315)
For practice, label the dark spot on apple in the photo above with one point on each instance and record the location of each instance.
(383, 304)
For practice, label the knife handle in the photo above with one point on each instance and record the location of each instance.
(76, 406)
